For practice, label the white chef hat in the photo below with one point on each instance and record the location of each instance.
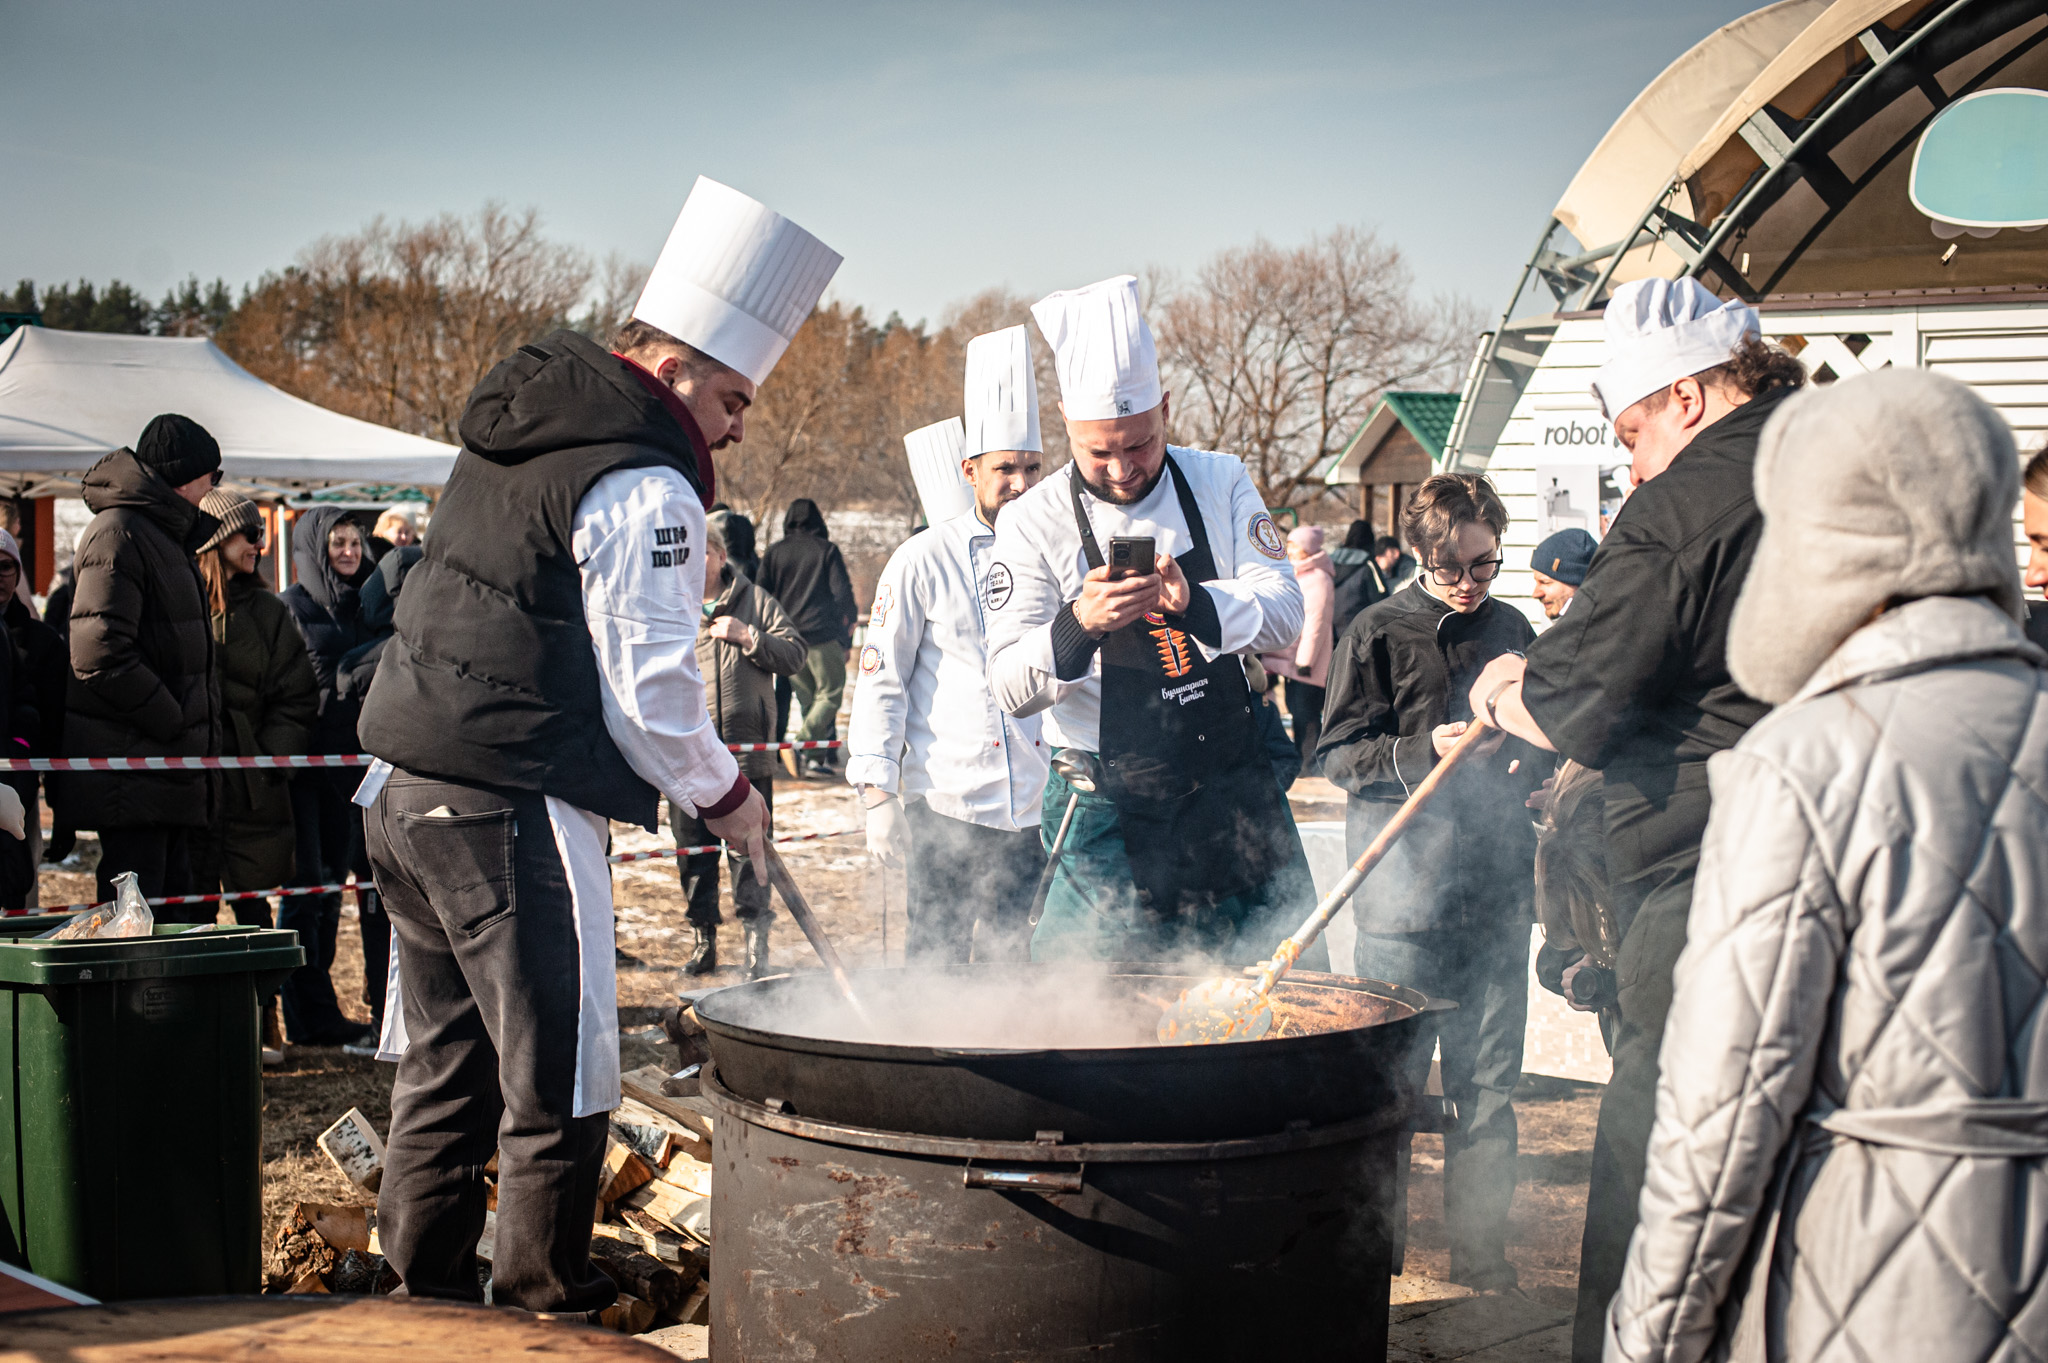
(1002, 393)
(735, 280)
(1662, 330)
(935, 452)
(1101, 349)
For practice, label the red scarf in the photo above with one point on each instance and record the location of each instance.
(707, 474)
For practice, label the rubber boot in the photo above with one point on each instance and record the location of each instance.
(704, 959)
(273, 1034)
(757, 946)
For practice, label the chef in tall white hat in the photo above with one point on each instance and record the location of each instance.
(1633, 681)
(951, 783)
(1125, 588)
(544, 681)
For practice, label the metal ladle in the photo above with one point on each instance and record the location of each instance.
(1082, 772)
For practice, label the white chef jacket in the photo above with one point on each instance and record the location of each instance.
(1039, 566)
(639, 546)
(924, 722)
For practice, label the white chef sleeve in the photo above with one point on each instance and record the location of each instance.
(1019, 619)
(881, 692)
(639, 545)
(1258, 602)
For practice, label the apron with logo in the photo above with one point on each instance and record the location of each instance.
(1203, 822)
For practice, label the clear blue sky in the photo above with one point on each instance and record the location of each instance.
(943, 148)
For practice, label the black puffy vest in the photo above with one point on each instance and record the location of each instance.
(491, 679)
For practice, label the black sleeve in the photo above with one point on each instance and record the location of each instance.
(1072, 646)
(1200, 618)
(1617, 653)
(1362, 744)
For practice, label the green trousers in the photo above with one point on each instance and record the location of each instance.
(1092, 911)
(819, 685)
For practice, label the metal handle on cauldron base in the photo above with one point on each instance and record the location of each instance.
(1046, 1183)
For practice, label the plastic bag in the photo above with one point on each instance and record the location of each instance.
(127, 916)
(132, 917)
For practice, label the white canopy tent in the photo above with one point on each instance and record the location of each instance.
(69, 397)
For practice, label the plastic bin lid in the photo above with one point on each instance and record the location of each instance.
(175, 950)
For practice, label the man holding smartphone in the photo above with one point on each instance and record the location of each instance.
(1125, 588)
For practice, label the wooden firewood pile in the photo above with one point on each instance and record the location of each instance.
(652, 1231)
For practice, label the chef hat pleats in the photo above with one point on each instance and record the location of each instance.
(735, 280)
(1102, 349)
(935, 452)
(1002, 393)
(1662, 330)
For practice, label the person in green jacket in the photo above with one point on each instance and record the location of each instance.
(268, 701)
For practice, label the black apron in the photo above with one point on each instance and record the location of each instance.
(1203, 819)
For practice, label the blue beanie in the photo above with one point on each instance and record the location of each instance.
(1565, 556)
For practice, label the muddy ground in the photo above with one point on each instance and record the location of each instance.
(862, 907)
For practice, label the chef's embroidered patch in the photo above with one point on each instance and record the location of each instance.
(885, 601)
(1265, 536)
(996, 590)
(870, 660)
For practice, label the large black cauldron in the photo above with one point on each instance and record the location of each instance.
(889, 1200)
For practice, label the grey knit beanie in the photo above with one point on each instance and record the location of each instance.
(234, 512)
(1894, 485)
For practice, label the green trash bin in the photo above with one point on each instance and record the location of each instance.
(131, 1142)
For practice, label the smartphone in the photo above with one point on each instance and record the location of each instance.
(1130, 556)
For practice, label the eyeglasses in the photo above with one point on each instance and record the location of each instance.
(1485, 570)
(216, 475)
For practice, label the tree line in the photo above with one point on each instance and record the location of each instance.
(1275, 353)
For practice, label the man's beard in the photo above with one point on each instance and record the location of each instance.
(1118, 499)
(988, 513)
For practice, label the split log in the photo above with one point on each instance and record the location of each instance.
(692, 1176)
(628, 1315)
(643, 1232)
(639, 1273)
(682, 1137)
(644, 1086)
(683, 1212)
(696, 1308)
(355, 1148)
(651, 1143)
(623, 1171)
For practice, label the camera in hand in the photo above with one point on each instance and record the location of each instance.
(1130, 556)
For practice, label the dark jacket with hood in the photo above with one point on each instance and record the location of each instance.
(1405, 666)
(143, 682)
(270, 701)
(491, 679)
(328, 609)
(805, 571)
(739, 683)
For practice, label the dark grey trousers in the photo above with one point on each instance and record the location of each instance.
(488, 952)
(1485, 971)
(961, 875)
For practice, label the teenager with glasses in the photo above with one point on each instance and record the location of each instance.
(1449, 910)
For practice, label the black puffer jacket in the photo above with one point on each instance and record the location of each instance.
(328, 611)
(143, 682)
(805, 571)
(1405, 666)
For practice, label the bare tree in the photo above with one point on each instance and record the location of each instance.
(1278, 354)
(396, 324)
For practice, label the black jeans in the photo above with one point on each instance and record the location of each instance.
(321, 815)
(161, 858)
(1305, 708)
(481, 906)
(1655, 822)
(969, 888)
(700, 872)
(1486, 972)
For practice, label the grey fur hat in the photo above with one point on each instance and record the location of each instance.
(1889, 486)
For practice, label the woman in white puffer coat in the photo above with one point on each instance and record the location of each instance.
(1848, 1160)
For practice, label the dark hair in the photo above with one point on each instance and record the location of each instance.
(1358, 535)
(1384, 543)
(2037, 473)
(637, 336)
(1754, 367)
(1443, 503)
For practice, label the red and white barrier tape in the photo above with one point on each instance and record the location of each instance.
(659, 853)
(359, 759)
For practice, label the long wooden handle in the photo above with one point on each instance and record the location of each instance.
(800, 910)
(1375, 852)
